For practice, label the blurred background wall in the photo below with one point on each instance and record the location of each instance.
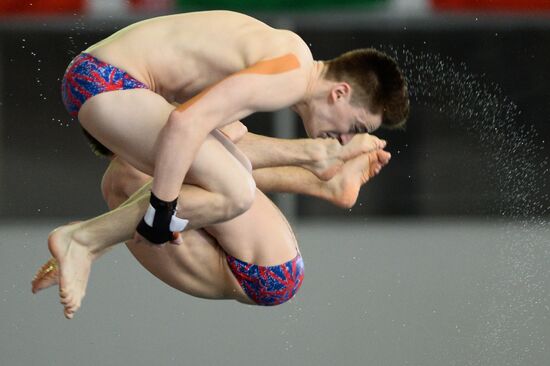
(476, 142)
(426, 292)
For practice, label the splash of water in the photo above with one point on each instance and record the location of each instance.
(511, 327)
(480, 107)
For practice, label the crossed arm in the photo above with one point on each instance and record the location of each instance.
(265, 86)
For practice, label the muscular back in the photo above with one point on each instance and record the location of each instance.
(180, 55)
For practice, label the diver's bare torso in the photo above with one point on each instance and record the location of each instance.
(178, 56)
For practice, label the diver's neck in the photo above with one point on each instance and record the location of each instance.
(315, 88)
(316, 80)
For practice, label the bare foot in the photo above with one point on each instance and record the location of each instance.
(325, 170)
(361, 143)
(327, 161)
(46, 276)
(331, 156)
(343, 189)
(74, 260)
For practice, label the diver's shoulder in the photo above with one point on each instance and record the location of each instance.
(296, 44)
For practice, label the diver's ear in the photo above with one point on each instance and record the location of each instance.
(340, 91)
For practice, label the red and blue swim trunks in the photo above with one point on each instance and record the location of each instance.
(87, 76)
(269, 285)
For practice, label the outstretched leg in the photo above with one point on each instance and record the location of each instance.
(341, 190)
(322, 157)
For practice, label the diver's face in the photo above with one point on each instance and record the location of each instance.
(340, 120)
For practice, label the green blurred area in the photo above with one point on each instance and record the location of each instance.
(276, 4)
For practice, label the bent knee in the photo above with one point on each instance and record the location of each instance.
(242, 197)
(234, 131)
(229, 143)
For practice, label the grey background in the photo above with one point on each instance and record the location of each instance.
(418, 293)
(444, 260)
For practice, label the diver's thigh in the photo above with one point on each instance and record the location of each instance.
(218, 170)
(233, 149)
(261, 235)
(127, 122)
(196, 267)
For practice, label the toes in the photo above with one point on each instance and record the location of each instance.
(70, 310)
(65, 296)
(384, 156)
(72, 304)
(66, 301)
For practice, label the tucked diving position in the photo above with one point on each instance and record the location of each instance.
(155, 93)
(253, 258)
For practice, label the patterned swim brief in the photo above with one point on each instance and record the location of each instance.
(271, 285)
(87, 76)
